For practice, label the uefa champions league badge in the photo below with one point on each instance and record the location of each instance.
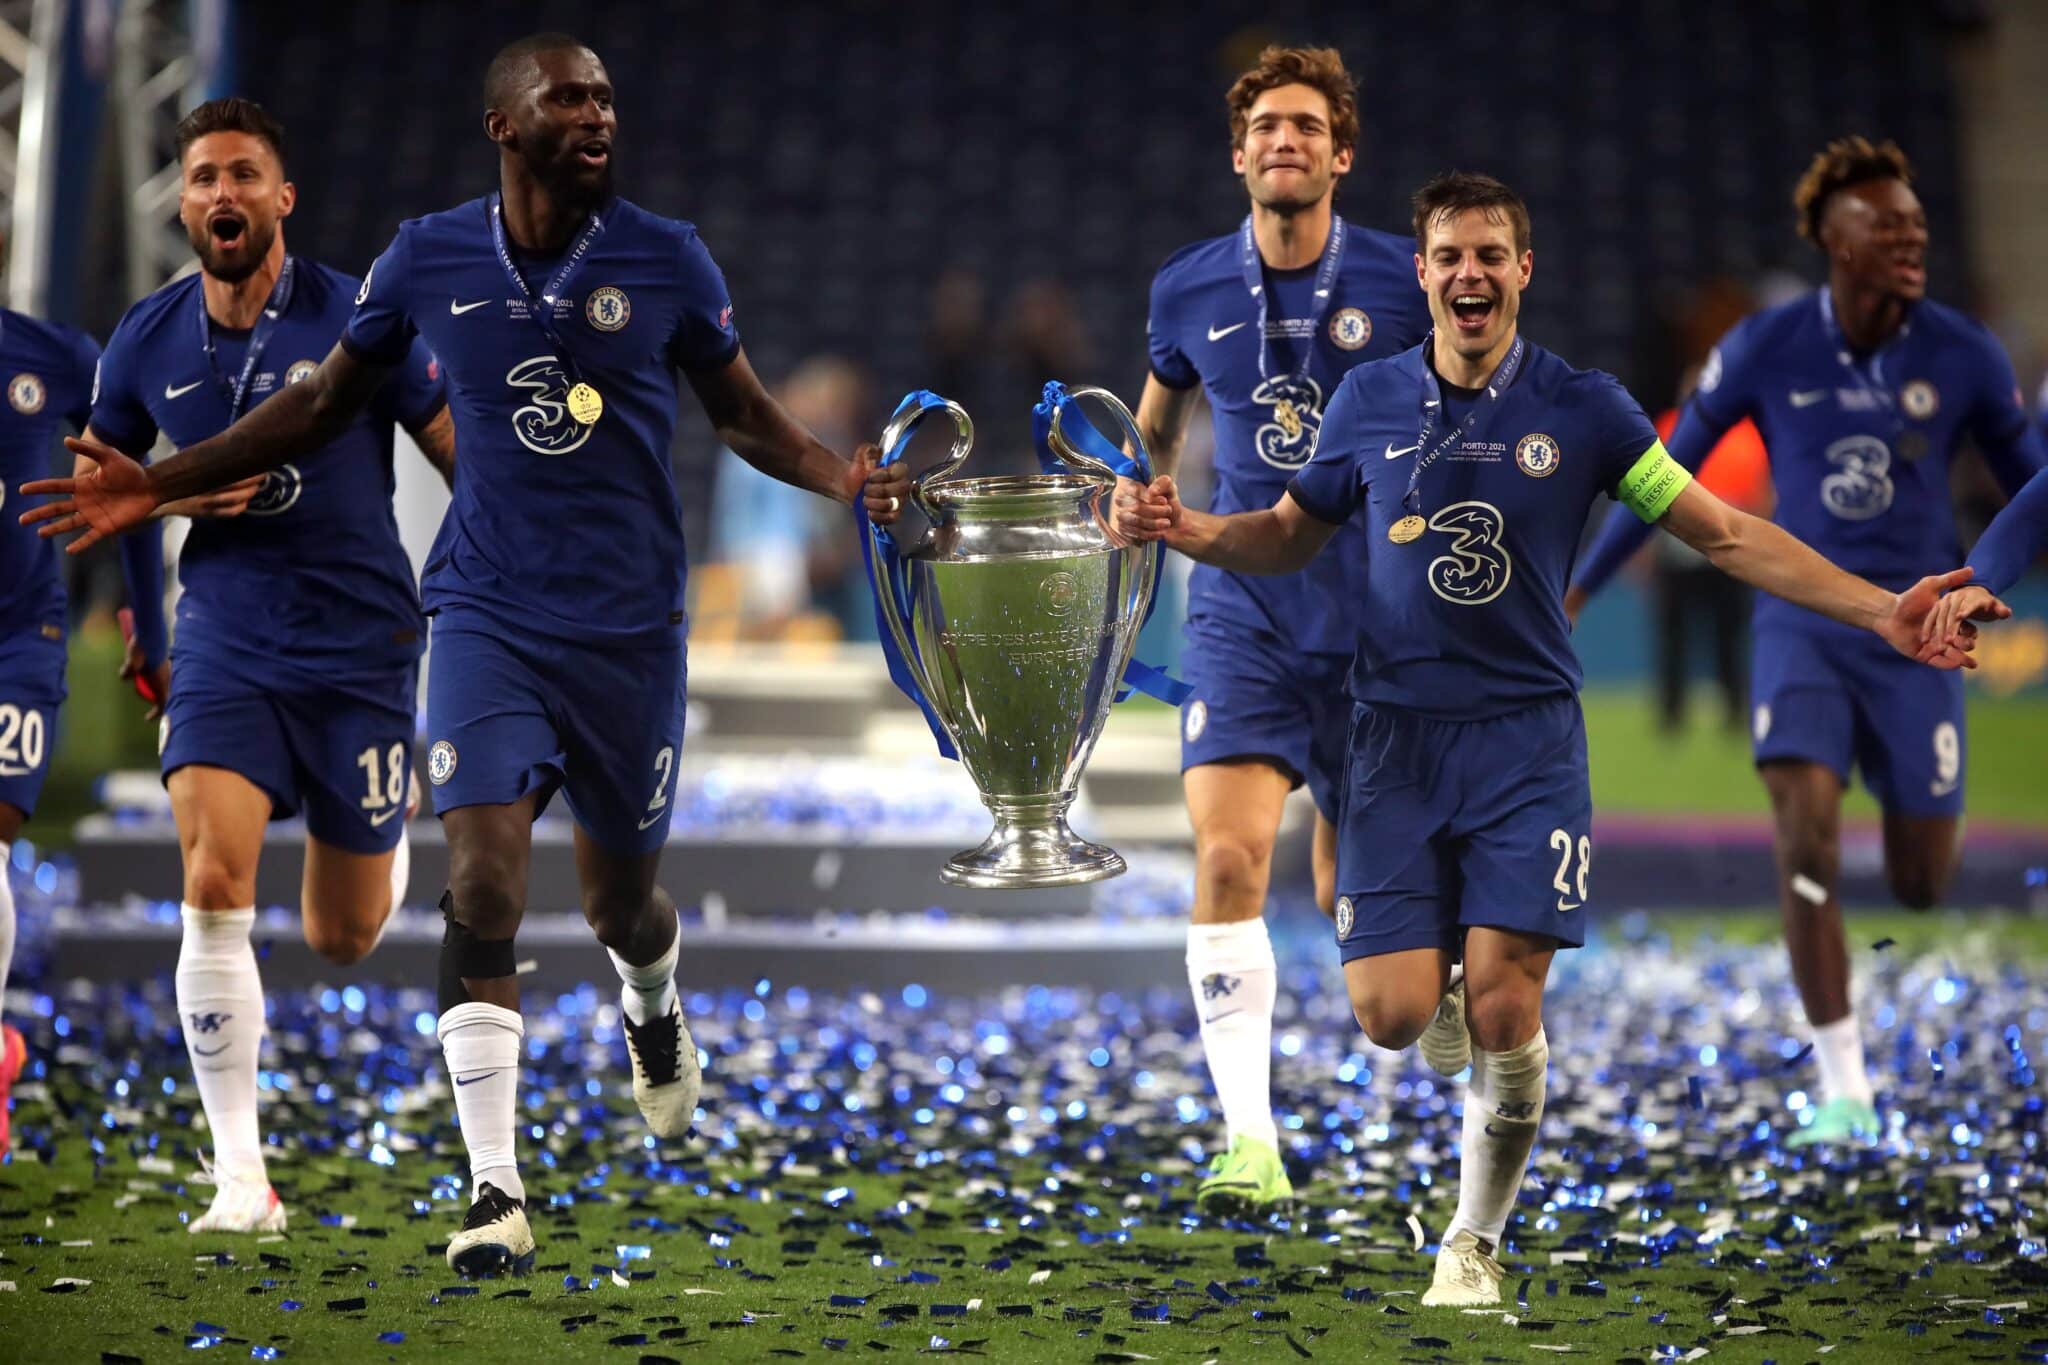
(1920, 399)
(26, 393)
(1537, 454)
(1197, 721)
(1343, 917)
(607, 309)
(1350, 328)
(440, 762)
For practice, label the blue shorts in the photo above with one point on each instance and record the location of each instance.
(1450, 824)
(340, 754)
(31, 691)
(1257, 698)
(513, 715)
(1846, 701)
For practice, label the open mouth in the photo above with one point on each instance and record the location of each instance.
(1472, 311)
(595, 153)
(227, 228)
(1912, 268)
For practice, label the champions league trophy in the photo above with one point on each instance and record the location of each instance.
(1015, 617)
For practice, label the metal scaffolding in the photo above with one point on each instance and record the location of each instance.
(29, 31)
(162, 69)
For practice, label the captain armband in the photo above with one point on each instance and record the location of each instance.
(1652, 483)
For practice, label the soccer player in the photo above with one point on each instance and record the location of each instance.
(1863, 390)
(1266, 320)
(292, 684)
(1465, 819)
(561, 315)
(48, 371)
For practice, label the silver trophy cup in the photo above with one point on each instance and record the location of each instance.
(1022, 612)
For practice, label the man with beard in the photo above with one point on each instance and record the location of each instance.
(1465, 822)
(1864, 390)
(1266, 320)
(561, 314)
(292, 684)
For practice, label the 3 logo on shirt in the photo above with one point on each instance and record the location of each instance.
(1350, 328)
(543, 424)
(26, 393)
(1287, 440)
(277, 493)
(1861, 486)
(1477, 567)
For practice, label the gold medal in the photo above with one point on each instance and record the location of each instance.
(586, 404)
(1406, 529)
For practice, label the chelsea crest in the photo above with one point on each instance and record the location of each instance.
(1350, 328)
(607, 309)
(1537, 455)
(26, 393)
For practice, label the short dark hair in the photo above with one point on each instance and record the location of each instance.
(1842, 163)
(232, 114)
(508, 68)
(1449, 194)
(1319, 68)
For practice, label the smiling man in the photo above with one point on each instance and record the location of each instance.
(1864, 391)
(1265, 321)
(562, 314)
(292, 684)
(1465, 817)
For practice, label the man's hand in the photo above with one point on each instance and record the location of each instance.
(153, 685)
(882, 487)
(1965, 604)
(1142, 512)
(1907, 628)
(1575, 598)
(231, 501)
(113, 498)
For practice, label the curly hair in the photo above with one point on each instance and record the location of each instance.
(1319, 68)
(1844, 162)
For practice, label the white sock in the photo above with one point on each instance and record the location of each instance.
(1231, 971)
(6, 922)
(220, 1007)
(1838, 1049)
(651, 990)
(1503, 1109)
(480, 1044)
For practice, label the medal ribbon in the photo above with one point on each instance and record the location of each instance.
(237, 390)
(1428, 444)
(1872, 385)
(884, 561)
(542, 310)
(1326, 287)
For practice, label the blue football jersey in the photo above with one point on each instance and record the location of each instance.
(1860, 446)
(569, 529)
(2016, 537)
(1468, 621)
(48, 371)
(1204, 330)
(313, 568)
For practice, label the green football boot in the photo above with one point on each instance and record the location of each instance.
(1248, 1181)
(1843, 1122)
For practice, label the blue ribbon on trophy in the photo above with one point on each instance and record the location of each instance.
(884, 561)
(1139, 676)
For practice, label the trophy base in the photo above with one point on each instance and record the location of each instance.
(1018, 857)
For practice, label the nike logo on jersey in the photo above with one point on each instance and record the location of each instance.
(458, 309)
(1806, 398)
(210, 1052)
(377, 820)
(170, 392)
(658, 815)
(1218, 333)
(1394, 454)
(472, 1080)
(1564, 909)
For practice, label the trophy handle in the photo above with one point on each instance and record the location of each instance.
(1146, 570)
(890, 575)
(1075, 458)
(898, 432)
